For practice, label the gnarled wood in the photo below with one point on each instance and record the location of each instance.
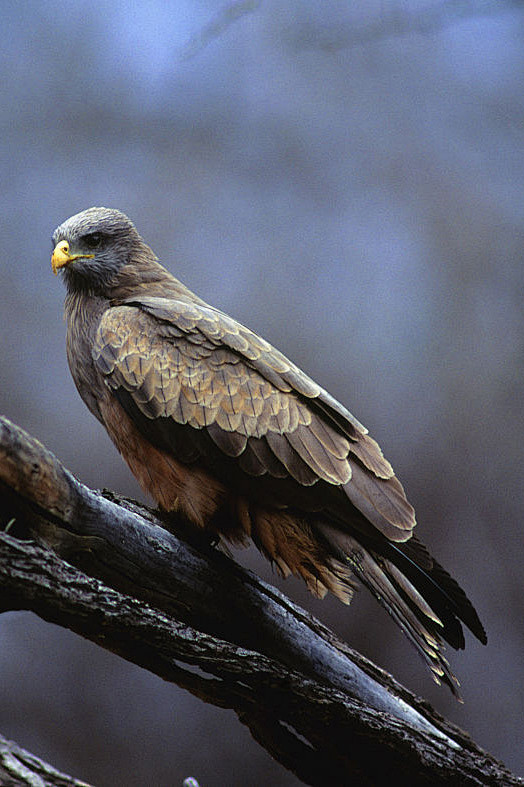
(131, 586)
(18, 767)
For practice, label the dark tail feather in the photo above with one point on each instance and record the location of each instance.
(424, 601)
(421, 562)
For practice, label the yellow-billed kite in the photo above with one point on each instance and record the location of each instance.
(218, 425)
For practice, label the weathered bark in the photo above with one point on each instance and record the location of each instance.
(18, 766)
(320, 709)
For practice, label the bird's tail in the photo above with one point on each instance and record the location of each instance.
(416, 591)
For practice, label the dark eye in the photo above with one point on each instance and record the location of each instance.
(93, 240)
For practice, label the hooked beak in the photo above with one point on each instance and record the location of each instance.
(62, 257)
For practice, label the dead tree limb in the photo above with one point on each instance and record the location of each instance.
(131, 586)
(18, 766)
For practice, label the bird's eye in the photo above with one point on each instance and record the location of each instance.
(93, 240)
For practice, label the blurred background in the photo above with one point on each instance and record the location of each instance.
(347, 180)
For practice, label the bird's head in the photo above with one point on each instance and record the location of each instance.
(92, 247)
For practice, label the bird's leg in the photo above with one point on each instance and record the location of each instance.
(180, 526)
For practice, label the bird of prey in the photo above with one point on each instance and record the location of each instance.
(221, 427)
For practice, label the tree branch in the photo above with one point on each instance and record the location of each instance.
(18, 766)
(131, 586)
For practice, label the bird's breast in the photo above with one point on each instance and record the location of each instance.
(83, 315)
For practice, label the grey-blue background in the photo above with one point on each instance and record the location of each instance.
(347, 180)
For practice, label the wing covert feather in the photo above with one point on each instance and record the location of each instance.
(191, 363)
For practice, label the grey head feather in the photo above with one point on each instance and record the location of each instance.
(107, 234)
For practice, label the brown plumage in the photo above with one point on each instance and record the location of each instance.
(217, 424)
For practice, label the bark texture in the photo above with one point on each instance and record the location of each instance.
(106, 568)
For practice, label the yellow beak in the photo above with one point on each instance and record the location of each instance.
(61, 256)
